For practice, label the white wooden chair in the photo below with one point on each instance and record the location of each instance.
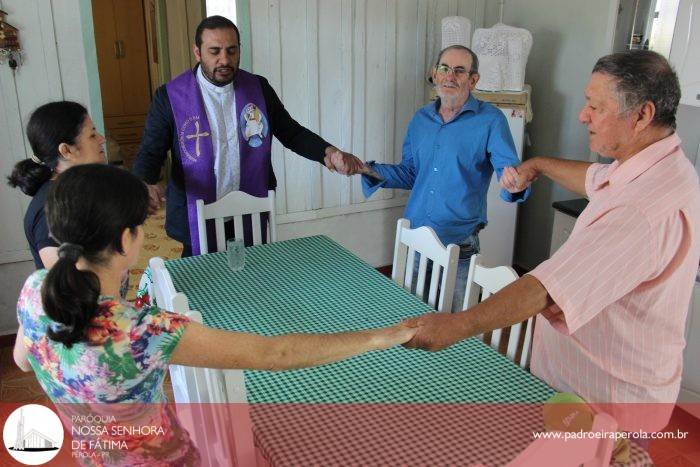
(484, 282)
(235, 205)
(198, 388)
(425, 242)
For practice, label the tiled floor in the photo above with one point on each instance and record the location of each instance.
(16, 385)
(684, 452)
(155, 243)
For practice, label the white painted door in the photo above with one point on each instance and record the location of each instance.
(685, 51)
(50, 34)
(21, 92)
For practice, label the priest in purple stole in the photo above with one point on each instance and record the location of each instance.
(218, 122)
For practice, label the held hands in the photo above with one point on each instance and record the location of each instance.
(156, 197)
(517, 179)
(342, 162)
(436, 331)
(397, 334)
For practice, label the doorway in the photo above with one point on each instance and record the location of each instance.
(140, 45)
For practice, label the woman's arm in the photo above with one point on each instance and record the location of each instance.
(202, 346)
(20, 351)
(49, 256)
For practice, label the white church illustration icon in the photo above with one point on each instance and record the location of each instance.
(33, 440)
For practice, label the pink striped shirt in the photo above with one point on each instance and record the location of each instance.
(622, 285)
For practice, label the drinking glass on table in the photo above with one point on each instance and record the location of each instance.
(235, 253)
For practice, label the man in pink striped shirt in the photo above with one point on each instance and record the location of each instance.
(613, 299)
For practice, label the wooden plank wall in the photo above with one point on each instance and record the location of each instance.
(354, 71)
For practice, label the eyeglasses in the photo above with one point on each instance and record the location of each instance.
(459, 71)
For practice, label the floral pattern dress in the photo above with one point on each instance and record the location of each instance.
(123, 359)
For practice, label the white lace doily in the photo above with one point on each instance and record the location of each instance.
(502, 52)
(456, 30)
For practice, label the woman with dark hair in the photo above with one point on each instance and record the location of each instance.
(61, 135)
(88, 346)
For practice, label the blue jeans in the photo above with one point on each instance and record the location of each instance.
(466, 249)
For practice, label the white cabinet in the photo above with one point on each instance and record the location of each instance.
(561, 229)
(685, 50)
(497, 240)
(690, 382)
(565, 215)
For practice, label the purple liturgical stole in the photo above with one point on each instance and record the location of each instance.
(197, 151)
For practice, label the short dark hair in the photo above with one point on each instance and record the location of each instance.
(214, 22)
(475, 60)
(644, 76)
(88, 206)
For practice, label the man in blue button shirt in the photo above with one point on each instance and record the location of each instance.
(451, 149)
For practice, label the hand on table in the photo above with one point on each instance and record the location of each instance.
(156, 197)
(342, 162)
(436, 331)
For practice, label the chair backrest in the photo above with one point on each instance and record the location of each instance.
(166, 296)
(425, 242)
(235, 205)
(482, 282)
(198, 388)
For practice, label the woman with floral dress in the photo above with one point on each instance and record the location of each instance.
(90, 349)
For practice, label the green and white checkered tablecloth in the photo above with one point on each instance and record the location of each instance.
(464, 405)
(314, 285)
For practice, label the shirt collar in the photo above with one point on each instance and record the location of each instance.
(471, 104)
(210, 87)
(621, 174)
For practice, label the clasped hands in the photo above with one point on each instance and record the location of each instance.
(436, 331)
(344, 163)
(517, 179)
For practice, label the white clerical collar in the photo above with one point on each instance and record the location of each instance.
(207, 85)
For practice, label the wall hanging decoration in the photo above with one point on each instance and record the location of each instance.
(10, 50)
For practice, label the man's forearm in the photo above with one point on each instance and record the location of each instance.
(569, 174)
(515, 303)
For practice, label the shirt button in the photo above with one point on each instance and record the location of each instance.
(434, 169)
(432, 192)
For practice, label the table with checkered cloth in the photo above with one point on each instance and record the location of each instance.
(463, 405)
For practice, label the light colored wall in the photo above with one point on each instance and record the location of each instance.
(51, 34)
(688, 121)
(374, 245)
(568, 37)
(13, 277)
(354, 72)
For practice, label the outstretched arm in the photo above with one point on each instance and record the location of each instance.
(515, 303)
(202, 346)
(402, 175)
(567, 173)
